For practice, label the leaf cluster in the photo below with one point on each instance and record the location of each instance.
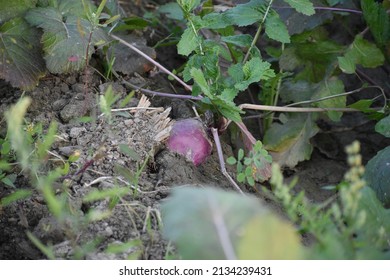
(249, 167)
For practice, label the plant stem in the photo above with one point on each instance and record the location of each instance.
(257, 32)
(162, 94)
(293, 109)
(326, 9)
(158, 65)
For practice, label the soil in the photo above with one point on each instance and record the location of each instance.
(136, 218)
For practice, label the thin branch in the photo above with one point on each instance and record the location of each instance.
(162, 94)
(151, 60)
(335, 96)
(326, 9)
(222, 161)
(293, 109)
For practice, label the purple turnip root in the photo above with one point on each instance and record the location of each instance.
(189, 138)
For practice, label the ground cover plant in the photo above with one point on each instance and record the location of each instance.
(258, 84)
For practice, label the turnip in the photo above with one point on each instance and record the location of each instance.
(189, 138)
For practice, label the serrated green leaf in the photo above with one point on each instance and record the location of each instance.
(303, 6)
(361, 52)
(377, 20)
(227, 108)
(241, 40)
(383, 126)
(248, 13)
(252, 71)
(199, 78)
(188, 5)
(289, 143)
(276, 29)
(208, 62)
(230, 222)
(188, 42)
(65, 39)
(229, 94)
(14, 8)
(21, 62)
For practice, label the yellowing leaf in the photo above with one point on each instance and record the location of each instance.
(289, 143)
(269, 238)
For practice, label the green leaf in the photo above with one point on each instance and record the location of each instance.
(188, 5)
(377, 20)
(241, 40)
(227, 108)
(230, 222)
(377, 175)
(312, 52)
(199, 78)
(231, 161)
(361, 52)
(172, 11)
(188, 42)
(253, 71)
(14, 8)
(15, 196)
(66, 38)
(383, 126)
(241, 177)
(215, 21)
(276, 29)
(303, 6)
(289, 143)
(208, 62)
(21, 62)
(132, 23)
(104, 194)
(346, 64)
(328, 88)
(248, 13)
(377, 219)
